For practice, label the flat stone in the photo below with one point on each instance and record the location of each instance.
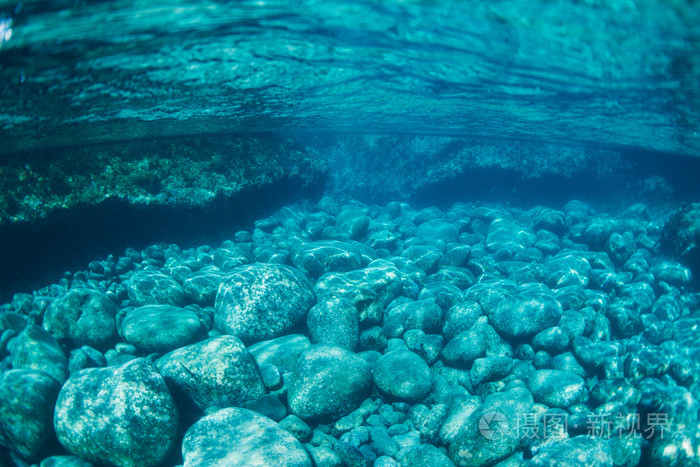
(161, 328)
(329, 383)
(154, 288)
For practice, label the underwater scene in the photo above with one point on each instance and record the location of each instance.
(371, 233)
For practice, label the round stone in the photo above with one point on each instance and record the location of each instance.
(216, 372)
(329, 383)
(152, 288)
(262, 301)
(82, 317)
(557, 388)
(403, 375)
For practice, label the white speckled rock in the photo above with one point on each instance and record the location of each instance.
(216, 372)
(262, 301)
(117, 415)
(242, 438)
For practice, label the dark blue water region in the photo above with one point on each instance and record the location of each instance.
(41, 250)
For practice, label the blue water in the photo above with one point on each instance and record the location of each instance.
(615, 74)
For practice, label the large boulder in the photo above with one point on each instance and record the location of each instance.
(82, 317)
(403, 375)
(370, 289)
(243, 438)
(36, 349)
(490, 433)
(27, 399)
(329, 383)
(216, 372)
(262, 301)
(530, 310)
(117, 415)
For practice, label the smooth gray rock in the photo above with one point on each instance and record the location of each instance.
(262, 301)
(505, 235)
(579, 450)
(283, 352)
(672, 272)
(27, 399)
(490, 369)
(490, 433)
(241, 437)
(36, 349)
(216, 372)
(82, 317)
(423, 454)
(229, 257)
(117, 415)
(65, 461)
(370, 288)
(557, 388)
(437, 230)
(161, 328)
(425, 315)
(525, 313)
(329, 383)
(460, 318)
(268, 405)
(353, 222)
(403, 375)
(201, 286)
(297, 427)
(567, 268)
(424, 256)
(320, 257)
(334, 321)
(154, 288)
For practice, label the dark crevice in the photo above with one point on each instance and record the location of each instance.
(36, 254)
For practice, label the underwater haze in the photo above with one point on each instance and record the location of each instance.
(349, 233)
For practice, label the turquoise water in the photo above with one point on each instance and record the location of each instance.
(616, 74)
(349, 233)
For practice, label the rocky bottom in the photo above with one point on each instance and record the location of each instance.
(346, 334)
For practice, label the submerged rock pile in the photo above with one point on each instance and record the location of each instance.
(348, 334)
